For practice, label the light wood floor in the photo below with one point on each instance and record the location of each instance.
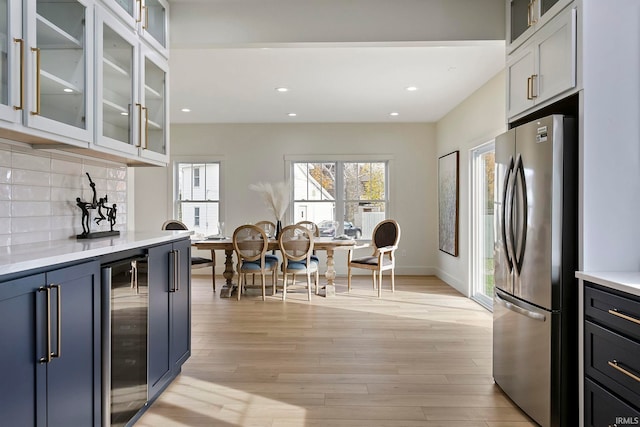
(419, 357)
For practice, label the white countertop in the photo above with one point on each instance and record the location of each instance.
(623, 281)
(18, 258)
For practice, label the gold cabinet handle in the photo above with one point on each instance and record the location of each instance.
(146, 128)
(21, 43)
(534, 86)
(37, 111)
(139, 18)
(618, 366)
(145, 24)
(58, 289)
(529, 18)
(529, 88)
(616, 313)
(534, 16)
(139, 142)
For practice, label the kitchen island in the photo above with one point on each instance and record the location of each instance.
(609, 343)
(54, 318)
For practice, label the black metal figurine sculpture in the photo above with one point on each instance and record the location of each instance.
(100, 205)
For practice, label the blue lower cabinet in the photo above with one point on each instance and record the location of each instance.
(50, 327)
(169, 312)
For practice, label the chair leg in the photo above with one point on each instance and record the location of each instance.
(239, 285)
(264, 293)
(373, 274)
(213, 277)
(393, 285)
(380, 285)
(309, 285)
(274, 280)
(284, 287)
(349, 279)
(317, 281)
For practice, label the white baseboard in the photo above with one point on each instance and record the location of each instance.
(453, 282)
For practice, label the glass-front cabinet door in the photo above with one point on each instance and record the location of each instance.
(117, 107)
(11, 61)
(154, 24)
(154, 105)
(129, 11)
(60, 72)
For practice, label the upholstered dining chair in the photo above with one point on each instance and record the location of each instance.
(196, 261)
(296, 246)
(268, 227)
(250, 244)
(385, 240)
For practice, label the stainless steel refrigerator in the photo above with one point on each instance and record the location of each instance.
(535, 323)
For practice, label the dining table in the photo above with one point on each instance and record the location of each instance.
(327, 244)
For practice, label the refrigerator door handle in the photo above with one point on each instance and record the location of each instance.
(511, 306)
(521, 232)
(507, 209)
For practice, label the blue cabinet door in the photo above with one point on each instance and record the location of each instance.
(21, 309)
(56, 313)
(160, 272)
(181, 307)
(73, 378)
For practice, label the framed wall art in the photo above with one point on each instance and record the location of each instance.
(448, 192)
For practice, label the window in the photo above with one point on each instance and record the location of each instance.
(198, 196)
(342, 197)
(196, 177)
(196, 216)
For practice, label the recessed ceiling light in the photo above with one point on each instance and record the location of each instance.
(66, 89)
(411, 88)
(186, 110)
(292, 114)
(394, 114)
(282, 89)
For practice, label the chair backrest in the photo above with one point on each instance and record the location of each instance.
(250, 242)
(296, 242)
(268, 227)
(312, 226)
(174, 224)
(386, 233)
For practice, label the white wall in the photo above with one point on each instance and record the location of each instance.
(255, 152)
(475, 121)
(610, 136)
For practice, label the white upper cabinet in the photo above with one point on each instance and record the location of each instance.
(59, 67)
(525, 17)
(132, 112)
(544, 67)
(12, 50)
(128, 11)
(154, 26)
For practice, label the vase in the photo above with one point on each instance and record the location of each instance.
(278, 228)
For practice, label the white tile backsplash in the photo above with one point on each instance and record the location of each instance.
(38, 193)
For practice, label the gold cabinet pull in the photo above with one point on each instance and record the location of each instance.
(529, 85)
(139, 18)
(139, 142)
(37, 111)
(534, 86)
(616, 313)
(145, 24)
(146, 128)
(618, 366)
(21, 43)
(58, 289)
(529, 18)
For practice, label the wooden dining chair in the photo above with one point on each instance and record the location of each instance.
(250, 244)
(196, 261)
(313, 227)
(296, 246)
(385, 240)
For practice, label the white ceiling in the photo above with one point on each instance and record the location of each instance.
(228, 56)
(327, 84)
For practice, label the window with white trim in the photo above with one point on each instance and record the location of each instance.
(198, 196)
(342, 197)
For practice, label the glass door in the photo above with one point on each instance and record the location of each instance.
(483, 206)
(154, 24)
(153, 85)
(11, 61)
(60, 67)
(117, 107)
(128, 10)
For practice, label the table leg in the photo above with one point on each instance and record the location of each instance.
(330, 288)
(229, 286)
